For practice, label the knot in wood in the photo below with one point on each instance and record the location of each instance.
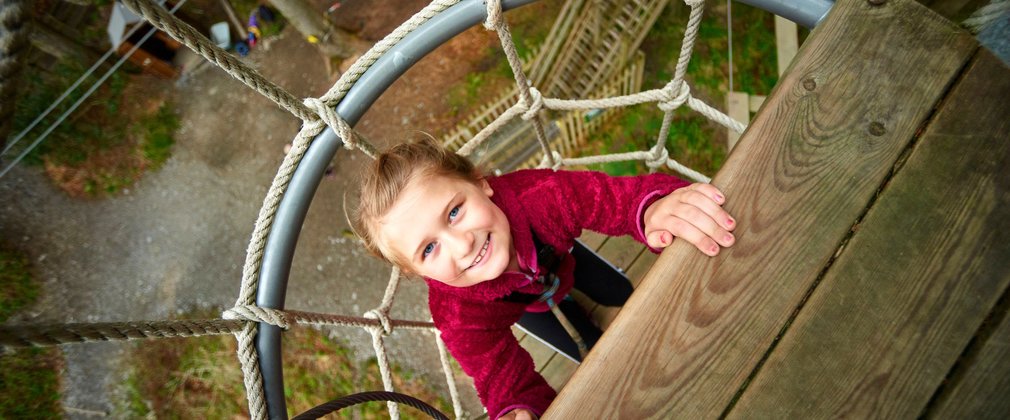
(877, 128)
(876, 2)
(809, 84)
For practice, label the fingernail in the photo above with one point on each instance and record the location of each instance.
(719, 197)
(730, 221)
(728, 238)
(714, 249)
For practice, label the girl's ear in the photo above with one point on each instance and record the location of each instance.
(486, 187)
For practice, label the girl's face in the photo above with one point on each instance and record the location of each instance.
(447, 229)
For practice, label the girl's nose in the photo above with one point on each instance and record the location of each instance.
(459, 243)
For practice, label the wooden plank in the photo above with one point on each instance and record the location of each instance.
(738, 108)
(539, 351)
(786, 42)
(621, 251)
(981, 392)
(559, 371)
(754, 103)
(910, 290)
(979, 389)
(605, 315)
(826, 139)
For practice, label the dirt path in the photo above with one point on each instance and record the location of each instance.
(175, 242)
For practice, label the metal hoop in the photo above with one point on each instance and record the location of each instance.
(290, 216)
(283, 237)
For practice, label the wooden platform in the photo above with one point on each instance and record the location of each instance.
(870, 275)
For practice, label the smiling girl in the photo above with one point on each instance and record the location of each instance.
(475, 241)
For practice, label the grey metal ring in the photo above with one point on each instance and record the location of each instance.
(290, 216)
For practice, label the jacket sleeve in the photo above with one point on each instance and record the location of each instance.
(569, 201)
(479, 336)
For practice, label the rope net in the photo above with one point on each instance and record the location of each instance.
(319, 113)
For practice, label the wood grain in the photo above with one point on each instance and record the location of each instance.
(804, 171)
(912, 287)
(982, 392)
(604, 315)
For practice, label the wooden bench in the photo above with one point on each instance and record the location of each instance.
(870, 275)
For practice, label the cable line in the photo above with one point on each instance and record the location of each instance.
(76, 104)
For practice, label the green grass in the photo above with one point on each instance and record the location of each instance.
(157, 142)
(29, 382)
(492, 73)
(694, 141)
(72, 141)
(18, 288)
(108, 142)
(201, 378)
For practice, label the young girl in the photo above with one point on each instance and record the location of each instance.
(475, 241)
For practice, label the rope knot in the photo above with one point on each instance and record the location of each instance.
(671, 102)
(533, 109)
(255, 313)
(658, 158)
(694, 3)
(544, 163)
(493, 14)
(328, 115)
(387, 325)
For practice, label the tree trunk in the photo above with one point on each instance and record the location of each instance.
(332, 41)
(14, 32)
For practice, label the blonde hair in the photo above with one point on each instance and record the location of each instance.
(389, 174)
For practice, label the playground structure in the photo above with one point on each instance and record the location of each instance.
(770, 162)
(871, 273)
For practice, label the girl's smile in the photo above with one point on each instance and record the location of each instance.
(448, 229)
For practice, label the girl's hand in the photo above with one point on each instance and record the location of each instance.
(693, 213)
(519, 414)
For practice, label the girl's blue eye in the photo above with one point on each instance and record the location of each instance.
(453, 213)
(428, 249)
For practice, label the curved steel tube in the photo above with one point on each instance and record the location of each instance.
(807, 13)
(283, 237)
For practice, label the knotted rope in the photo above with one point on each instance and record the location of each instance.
(672, 96)
(242, 320)
(496, 23)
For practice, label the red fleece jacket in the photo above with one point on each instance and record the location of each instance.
(556, 205)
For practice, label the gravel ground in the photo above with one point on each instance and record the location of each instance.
(175, 242)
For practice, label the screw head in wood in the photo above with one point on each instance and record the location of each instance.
(809, 84)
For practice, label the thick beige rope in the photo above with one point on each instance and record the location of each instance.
(496, 23)
(675, 94)
(186, 34)
(318, 114)
(378, 333)
(252, 378)
(443, 356)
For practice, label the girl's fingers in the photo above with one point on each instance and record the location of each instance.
(659, 239)
(704, 223)
(712, 209)
(710, 191)
(689, 232)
